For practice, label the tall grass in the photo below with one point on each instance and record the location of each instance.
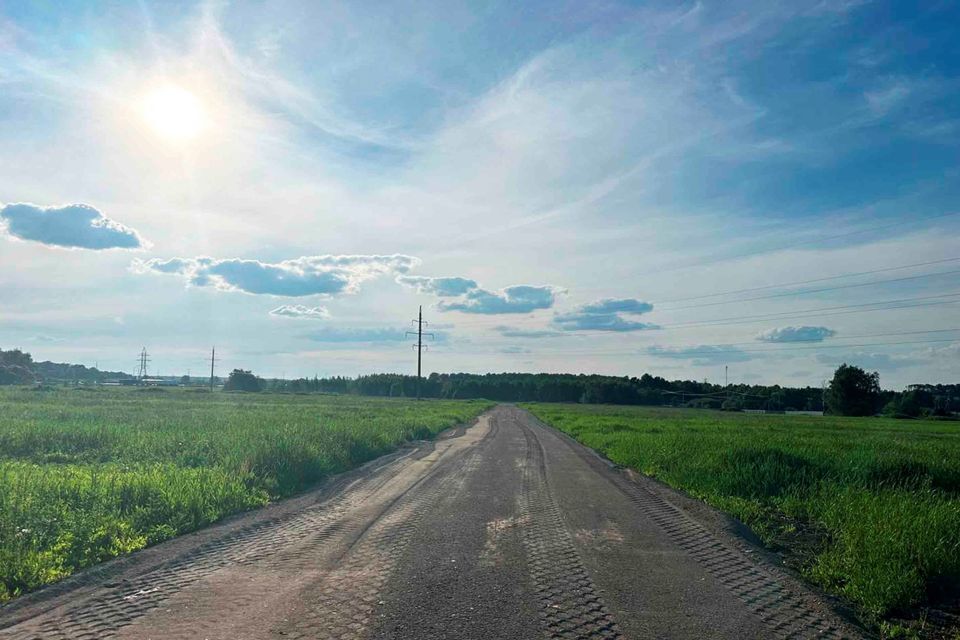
(877, 501)
(89, 475)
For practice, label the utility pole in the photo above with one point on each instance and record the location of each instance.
(419, 346)
(213, 359)
(726, 380)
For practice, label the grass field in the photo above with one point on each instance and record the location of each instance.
(872, 506)
(88, 474)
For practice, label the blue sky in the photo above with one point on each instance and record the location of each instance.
(563, 186)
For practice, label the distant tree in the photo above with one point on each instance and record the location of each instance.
(16, 358)
(912, 403)
(15, 374)
(853, 392)
(241, 380)
(185, 380)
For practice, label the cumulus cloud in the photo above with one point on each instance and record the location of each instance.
(796, 334)
(521, 298)
(514, 332)
(75, 226)
(305, 276)
(705, 354)
(442, 287)
(606, 314)
(301, 311)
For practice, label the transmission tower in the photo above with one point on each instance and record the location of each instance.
(143, 361)
(419, 346)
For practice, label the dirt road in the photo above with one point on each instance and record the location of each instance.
(506, 529)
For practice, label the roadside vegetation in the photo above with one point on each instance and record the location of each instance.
(870, 507)
(88, 474)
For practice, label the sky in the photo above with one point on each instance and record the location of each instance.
(760, 190)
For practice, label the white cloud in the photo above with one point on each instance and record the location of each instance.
(301, 311)
(305, 276)
(442, 287)
(520, 298)
(617, 305)
(605, 315)
(75, 226)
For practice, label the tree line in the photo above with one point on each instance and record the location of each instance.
(18, 367)
(852, 391)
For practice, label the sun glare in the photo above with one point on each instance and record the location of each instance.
(174, 113)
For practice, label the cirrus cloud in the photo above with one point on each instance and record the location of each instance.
(796, 334)
(74, 226)
(325, 275)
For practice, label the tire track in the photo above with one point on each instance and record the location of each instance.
(787, 614)
(279, 543)
(343, 602)
(570, 605)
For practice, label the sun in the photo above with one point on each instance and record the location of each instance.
(173, 113)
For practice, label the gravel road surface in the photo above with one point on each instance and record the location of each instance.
(505, 529)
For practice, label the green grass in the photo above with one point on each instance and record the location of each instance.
(871, 506)
(89, 474)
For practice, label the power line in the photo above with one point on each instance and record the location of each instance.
(816, 340)
(867, 335)
(824, 346)
(799, 282)
(715, 352)
(749, 254)
(901, 303)
(820, 290)
(858, 308)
